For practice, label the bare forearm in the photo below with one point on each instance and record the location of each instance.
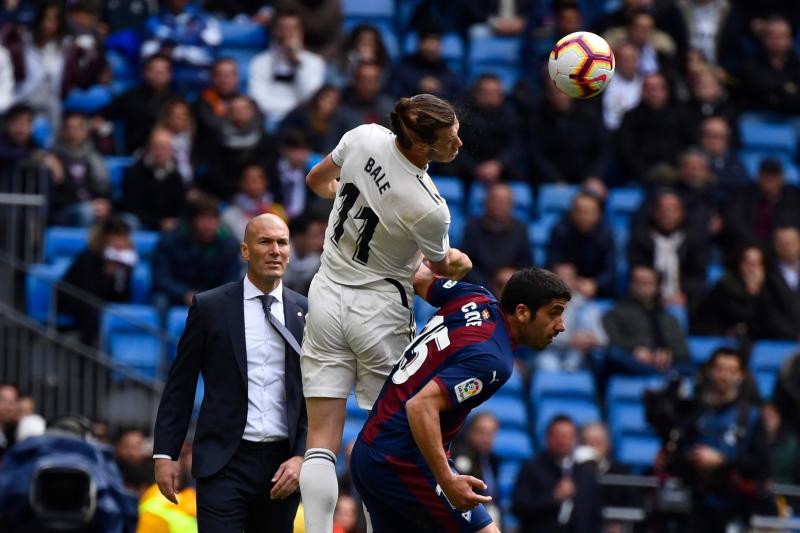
(322, 178)
(455, 266)
(427, 432)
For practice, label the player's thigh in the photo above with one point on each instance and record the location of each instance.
(328, 364)
(379, 327)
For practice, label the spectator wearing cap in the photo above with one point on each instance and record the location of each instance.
(197, 256)
(779, 316)
(753, 214)
(425, 71)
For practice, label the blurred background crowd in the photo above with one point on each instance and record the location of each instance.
(669, 204)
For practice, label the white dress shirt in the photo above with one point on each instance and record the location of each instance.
(266, 370)
(791, 275)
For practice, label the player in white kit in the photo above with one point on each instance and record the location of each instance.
(386, 216)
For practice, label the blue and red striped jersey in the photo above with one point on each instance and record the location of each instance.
(465, 348)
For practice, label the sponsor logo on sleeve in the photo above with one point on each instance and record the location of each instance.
(468, 388)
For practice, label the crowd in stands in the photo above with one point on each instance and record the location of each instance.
(187, 118)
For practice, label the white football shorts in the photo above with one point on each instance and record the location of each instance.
(353, 337)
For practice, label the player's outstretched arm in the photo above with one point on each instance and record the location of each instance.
(322, 178)
(423, 416)
(455, 265)
(423, 278)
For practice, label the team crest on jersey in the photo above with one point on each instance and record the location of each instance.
(449, 284)
(468, 388)
(485, 314)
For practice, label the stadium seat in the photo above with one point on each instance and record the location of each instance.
(140, 351)
(637, 451)
(198, 395)
(701, 348)
(313, 159)
(561, 385)
(623, 201)
(555, 198)
(751, 159)
(176, 321)
(765, 381)
(513, 387)
(145, 243)
(42, 133)
(451, 189)
(39, 285)
(368, 9)
(452, 50)
(507, 474)
(768, 356)
(423, 311)
(539, 230)
(579, 410)
(680, 314)
(127, 318)
(494, 50)
(714, 272)
(246, 35)
(510, 411)
(457, 227)
(626, 418)
(630, 389)
(603, 305)
(141, 283)
(60, 241)
(116, 173)
(120, 67)
(352, 427)
(353, 410)
(88, 101)
(771, 136)
(513, 445)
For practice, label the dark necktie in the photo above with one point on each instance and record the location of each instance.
(266, 303)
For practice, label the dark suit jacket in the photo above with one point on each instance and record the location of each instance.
(213, 343)
(537, 508)
(779, 315)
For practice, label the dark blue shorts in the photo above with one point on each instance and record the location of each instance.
(402, 495)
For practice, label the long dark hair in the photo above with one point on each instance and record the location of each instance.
(419, 118)
(39, 18)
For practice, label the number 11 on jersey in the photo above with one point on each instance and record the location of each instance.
(349, 194)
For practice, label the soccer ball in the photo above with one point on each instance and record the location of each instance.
(581, 64)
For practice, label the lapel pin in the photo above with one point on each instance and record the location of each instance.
(299, 313)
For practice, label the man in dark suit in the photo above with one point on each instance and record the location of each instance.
(251, 432)
(779, 316)
(553, 494)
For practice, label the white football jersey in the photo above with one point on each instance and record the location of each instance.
(387, 212)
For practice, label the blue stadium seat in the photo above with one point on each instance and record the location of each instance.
(624, 201)
(539, 229)
(139, 350)
(176, 321)
(522, 196)
(680, 314)
(555, 198)
(630, 389)
(637, 451)
(751, 159)
(452, 51)
(120, 67)
(368, 8)
(513, 444)
(42, 133)
(88, 101)
(199, 392)
(765, 381)
(768, 356)
(775, 137)
(451, 189)
(603, 305)
(353, 410)
(507, 474)
(141, 283)
(510, 411)
(581, 411)
(561, 385)
(39, 285)
(514, 387)
(126, 318)
(626, 418)
(713, 273)
(701, 348)
(352, 427)
(62, 241)
(145, 243)
(116, 173)
(313, 159)
(247, 35)
(494, 50)
(423, 311)
(458, 225)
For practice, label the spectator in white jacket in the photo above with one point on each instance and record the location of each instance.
(286, 75)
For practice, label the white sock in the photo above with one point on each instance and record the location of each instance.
(319, 489)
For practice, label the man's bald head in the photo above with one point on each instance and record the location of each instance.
(266, 250)
(260, 222)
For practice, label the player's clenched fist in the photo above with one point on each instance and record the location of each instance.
(167, 478)
(460, 491)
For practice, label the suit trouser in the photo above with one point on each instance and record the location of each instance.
(236, 498)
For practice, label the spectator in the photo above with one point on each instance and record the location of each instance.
(82, 196)
(670, 245)
(708, 100)
(757, 209)
(784, 447)
(18, 149)
(769, 80)
(363, 45)
(132, 460)
(100, 432)
(138, 107)
(786, 395)
(568, 142)
(103, 271)
(211, 107)
(84, 58)
(157, 514)
(643, 338)
(582, 239)
(253, 199)
(364, 102)
(626, 91)
(197, 256)
(730, 452)
(315, 119)
(715, 142)
(130, 15)
(656, 48)
(494, 16)
(496, 239)
(308, 236)
(152, 190)
(651, 133)
(712, 28)
(699, 192)
(345, 516)
(286, 75)
(780, 316)
(9, 416)
(489, 132)
(322, 20)
(569, 350)
(185, 33)
(27, 405)
(242, 142)
(473, 456)
(7, 82)
(176, 117)
(292, 164)
(554, 494)
(596, 444)
(730, 308)
(425, 71)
